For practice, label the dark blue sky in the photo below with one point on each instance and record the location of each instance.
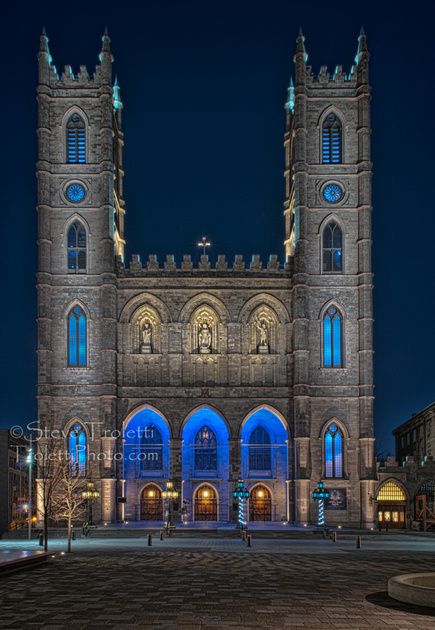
(203, 85)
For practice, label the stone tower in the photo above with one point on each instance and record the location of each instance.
(80, 230)
(328, 184)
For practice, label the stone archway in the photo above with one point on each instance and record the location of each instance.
(206, 503)
(260, 504)
(151, 503)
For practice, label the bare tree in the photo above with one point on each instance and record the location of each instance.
(50, 457)
(68, 503)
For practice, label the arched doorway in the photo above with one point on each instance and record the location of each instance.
(151, 504)
(391, 500)
(206, 504)
(260, 504)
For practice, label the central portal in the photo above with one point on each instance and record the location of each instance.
(206, 504)
(151, 504)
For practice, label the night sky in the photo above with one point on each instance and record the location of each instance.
(203, 85)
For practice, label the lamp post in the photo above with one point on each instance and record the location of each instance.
(29, 513)
(169, 493)
(320, 495)
(241, 494)
(90, 495)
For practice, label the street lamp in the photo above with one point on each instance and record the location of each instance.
(90, 495)
(242, 494)
(320, 495)
(170, 494)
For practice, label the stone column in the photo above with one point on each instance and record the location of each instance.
(368, 503)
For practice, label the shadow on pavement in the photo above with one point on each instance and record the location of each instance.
(383, 599)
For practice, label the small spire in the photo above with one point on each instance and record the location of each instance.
(43, 42)
(300, 44)
(291, 96)
(105, 48)
(362, 46)
(117, 103)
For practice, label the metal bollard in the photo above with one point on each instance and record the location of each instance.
(334, 537)
(249, 540)
(41, 540)
(358, 542)
(161, 534)
(150, 540)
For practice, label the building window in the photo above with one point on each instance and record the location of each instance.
(77, 448)
(332, 338)
(332, 248)
(76, 248)
(77, 338)
(331, 140)
(260, 450)
(151, 449)
(391, 491)
(333, 452)
(205, 450)
(76, 140)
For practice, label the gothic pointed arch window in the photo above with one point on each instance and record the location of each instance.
(151, 449)
(333, 450)
(77, 337)
(75, 140)
(260, 453)
(205, 450)
(332, 338)
(76, 243)
(77, 450)
(332, 140)
(332, 248)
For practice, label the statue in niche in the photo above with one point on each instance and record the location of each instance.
(263, 345)
(204, 339)
(146, 333)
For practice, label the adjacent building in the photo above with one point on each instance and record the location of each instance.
(205, 372)
(15, 505)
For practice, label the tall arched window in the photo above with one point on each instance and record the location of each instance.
(332, 248)
(205, 449)
(333, 452)
(260, 456)
(76, 247)
(77, 450)
(332, 338)
(77, 338)
(151, 449)
(76, 140)
(331, 140)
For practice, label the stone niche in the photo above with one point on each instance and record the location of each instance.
(146, 331)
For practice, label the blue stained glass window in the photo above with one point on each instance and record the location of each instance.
(77, 338)
(331, 140)
(151, 449)
(77, 450)
(76, 140)
(76, 248)
(332, 248)
(332, 338)
(205, 450)
(260, 456)
(333, 445)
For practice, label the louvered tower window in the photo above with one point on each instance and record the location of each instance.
(76, 140)
(331, 140)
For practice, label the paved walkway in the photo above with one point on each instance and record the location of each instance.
(173, 587)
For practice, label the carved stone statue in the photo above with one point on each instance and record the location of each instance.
(263, 346)
(146, 346)
(204, 339)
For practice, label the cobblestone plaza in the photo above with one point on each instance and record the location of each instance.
(219, 583)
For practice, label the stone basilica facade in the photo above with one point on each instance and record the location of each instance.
(203, 374)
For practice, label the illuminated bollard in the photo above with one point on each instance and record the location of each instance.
(150, 540)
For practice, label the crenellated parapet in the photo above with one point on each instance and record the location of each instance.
(186, 265)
